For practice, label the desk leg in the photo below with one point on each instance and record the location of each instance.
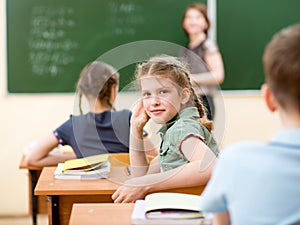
(53, 210)
(33, 178)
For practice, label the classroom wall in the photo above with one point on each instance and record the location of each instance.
(27, 117)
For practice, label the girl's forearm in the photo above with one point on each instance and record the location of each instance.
(175, 178)
(138, 159)
(53, 159)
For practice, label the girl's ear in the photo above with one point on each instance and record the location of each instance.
(185, 96)
(269, 98)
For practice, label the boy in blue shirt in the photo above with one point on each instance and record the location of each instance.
(259, 183)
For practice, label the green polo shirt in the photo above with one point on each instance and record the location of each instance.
(173, 133)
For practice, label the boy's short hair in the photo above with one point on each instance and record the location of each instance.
(282, 67)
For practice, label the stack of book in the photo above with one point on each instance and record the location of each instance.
(170, 208)
(88, 168)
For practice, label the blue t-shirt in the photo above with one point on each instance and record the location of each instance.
(96, 133)
(258, 183)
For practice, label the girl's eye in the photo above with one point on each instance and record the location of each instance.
(146, 94)
(163, 92)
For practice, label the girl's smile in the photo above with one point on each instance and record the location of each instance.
(157, 111)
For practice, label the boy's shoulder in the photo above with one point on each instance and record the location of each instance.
(240, 154)
(243, 149)
(246, 144)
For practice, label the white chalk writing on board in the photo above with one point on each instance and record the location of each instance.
(49, 46)
(124, 17)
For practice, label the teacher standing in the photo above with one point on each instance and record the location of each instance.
(203, 55)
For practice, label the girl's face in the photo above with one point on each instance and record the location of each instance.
(194, 22)
(162, 100)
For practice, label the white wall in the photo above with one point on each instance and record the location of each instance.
(26, 117)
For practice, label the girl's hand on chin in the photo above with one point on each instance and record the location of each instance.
(139, 116)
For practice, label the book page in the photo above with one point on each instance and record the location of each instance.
(164, 200)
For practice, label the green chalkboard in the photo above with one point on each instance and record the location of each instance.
(49, 41)
(244, 28)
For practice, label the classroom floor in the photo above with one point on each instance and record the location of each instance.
(23, 220)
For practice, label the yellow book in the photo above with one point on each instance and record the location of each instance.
(86, 163)
(102, 172)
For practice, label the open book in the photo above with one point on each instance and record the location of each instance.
(91, 167)
(170, 208)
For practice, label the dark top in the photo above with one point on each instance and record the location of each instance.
(195, 57)
(96, 133)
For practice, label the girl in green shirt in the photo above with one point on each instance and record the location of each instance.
(187, 151)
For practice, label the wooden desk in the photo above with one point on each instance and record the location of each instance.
(104, 214)
(107, 214)
(37, 204)
(63, 193)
